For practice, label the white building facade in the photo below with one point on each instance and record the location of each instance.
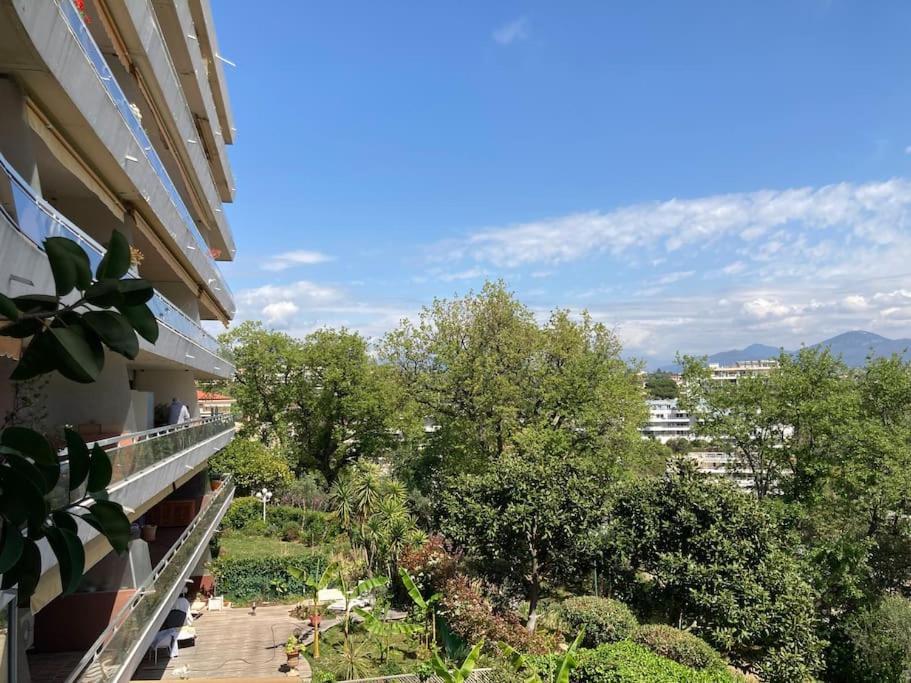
(115, 116)
(666, 421)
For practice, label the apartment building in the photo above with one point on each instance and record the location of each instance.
(115, 115)
(744, 368)
(725, 465)
(666, 421)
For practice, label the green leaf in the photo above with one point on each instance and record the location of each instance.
(70, 557)
(116, 261)
(65, 520)
(78, 456)
(370, 585)
(45, 477)
(413, 592)
(10, 546)
(80, 356)
(568, 661)
(23, 499)
(135, 291)
(22, 328)
(30, 443)
(100, 470)
(25, 572)
(69, 264)
(37, 359)
(104, 294)
(36, 303)
(114, 331)
(108, 518)
(8, 308)
(143, 321)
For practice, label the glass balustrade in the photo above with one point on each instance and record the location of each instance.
(38, 220)
(132, 453)
(117, 644)
(77, 25)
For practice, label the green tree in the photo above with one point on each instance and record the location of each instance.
(660, 385)
(528, 519)
(702, 554)
(253, 465)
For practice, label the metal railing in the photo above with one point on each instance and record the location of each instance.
(81, 32)
(136, 451)
(118, 644)
(38, 220)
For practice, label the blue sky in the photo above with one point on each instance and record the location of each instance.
(700, 176)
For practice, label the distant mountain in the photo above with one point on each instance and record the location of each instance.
(853, 347)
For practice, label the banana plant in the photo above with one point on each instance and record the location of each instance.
(315, 583)
(463, 673)
(558, 674)
(383, 630)
(107, 310)
(425, 607)
(363, 587)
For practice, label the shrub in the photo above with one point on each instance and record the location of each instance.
(307, 491)
(264, 577)
(680, 646)
(604, 620)
(626, 662)
(282, 521)
(879, 640)
(243, 511)
(253, 465)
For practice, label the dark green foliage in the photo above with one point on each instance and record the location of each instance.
(627, 662)
(310, 526)
(70, 339)
(604, 620)
(265, 577)
(253, 465)
(681, 646)
(660, 385)
(879, 642)
(695, 550)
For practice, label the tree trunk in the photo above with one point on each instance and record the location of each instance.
(534, 592)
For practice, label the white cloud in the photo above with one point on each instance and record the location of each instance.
(762, 308)
(875, 212)
(300, 257)
(511, 32)
(677, 276)
(734, 268)
(855, 303)
(280, 311)
(470, 274)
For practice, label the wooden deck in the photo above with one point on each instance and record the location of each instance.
(231, 644)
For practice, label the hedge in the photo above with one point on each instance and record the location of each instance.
(282, 521)
(604, 620)
(264, 577)
(680, 646)
(626, 662)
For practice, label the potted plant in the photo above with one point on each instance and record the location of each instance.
(293, 651)
(215, 480)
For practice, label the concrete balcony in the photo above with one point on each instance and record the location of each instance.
(135, 27)
(147, 466)
(176, 23)
(48, 48)
(26, 221)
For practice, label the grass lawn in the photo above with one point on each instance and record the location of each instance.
(234, 544)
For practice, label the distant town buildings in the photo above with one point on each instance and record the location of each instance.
(666, 421)
(731, 373)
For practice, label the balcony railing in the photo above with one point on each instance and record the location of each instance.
(119, 644)
(77, 25)
(37, 220)
(132, 453)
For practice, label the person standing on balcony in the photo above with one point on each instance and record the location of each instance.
(178, 413)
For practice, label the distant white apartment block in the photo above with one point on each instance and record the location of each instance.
(746, 368)
(666, 421)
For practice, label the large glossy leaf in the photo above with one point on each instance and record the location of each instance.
(370, 585)
(22, 499)
(80, 355)
(25, 572)
(116, 261)
(100, 470)
(7, 308)
(78, 456)
(65, 520)
(69, 264)
(568, 661)
(21, 329)
(45, 477)
(104, 294)
(114, 331)
(10, 546)
(135, 291)
(143, 321)
(109, 519)
(471, 661)
(70, 557)
(34, 303)
(30, 443)
(38, 358)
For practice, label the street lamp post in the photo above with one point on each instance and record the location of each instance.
(265, 496)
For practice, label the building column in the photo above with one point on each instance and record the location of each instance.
(16, 142)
